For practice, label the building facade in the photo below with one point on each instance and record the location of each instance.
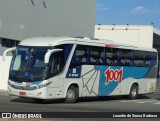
(135, 35)
(21, 19)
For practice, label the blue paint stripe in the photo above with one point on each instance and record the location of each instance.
(134, 72)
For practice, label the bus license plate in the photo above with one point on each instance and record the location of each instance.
(22, 93)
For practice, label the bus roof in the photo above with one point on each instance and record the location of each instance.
(53, 41)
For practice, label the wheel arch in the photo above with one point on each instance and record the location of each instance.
(134, 83)
(68, 86)
(134, 90)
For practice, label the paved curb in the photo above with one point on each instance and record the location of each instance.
(3, 92)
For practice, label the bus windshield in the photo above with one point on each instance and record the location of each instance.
(28, 64)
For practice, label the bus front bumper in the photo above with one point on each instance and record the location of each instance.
(37, 93)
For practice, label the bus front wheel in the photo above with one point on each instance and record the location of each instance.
(71, 95)
(133, 92)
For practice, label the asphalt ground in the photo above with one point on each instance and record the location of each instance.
(145, 103)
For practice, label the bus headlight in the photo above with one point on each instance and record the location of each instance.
(44, 85)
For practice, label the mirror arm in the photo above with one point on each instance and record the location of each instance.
(48, 54)
(6, 51)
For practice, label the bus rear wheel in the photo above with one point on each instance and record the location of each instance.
(133, 92)
(72, 95)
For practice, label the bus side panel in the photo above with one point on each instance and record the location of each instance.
(99, 80)
(114, 80)
(150, 80)
(87, 78)
(90, 81)
(147, 84)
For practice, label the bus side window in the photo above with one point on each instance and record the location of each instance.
(115, 58)
(122, 56)
(153, 59)
(126, 57)
(96, 55)
(150, 59)
(112, 56)
(138, 58)
(80, 56)
(129, 58)
(109, 56)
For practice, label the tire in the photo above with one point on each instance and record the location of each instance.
(133, 92)
(72, 95)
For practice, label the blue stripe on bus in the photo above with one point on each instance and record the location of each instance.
(36, 83)
(133, 72)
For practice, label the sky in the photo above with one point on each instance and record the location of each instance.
(133, 12)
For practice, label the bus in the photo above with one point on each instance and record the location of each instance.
(72, 67)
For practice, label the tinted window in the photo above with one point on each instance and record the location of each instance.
(80, 55)
(153, 58)
(112, 56)
(96, 55)
(126, 57)
(145, 58)
(148, 56)
(138, 58)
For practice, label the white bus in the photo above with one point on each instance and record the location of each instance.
(70, 67)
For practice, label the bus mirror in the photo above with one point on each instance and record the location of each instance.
(6, 51)
(48, 54)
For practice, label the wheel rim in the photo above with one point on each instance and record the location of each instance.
(70, 95)
(134, 92)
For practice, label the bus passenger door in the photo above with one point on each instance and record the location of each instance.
(55, 68)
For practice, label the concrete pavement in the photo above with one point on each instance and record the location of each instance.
(3, 93)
